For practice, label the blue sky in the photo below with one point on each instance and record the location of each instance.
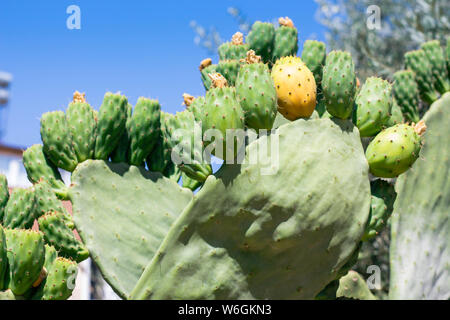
(141, 48)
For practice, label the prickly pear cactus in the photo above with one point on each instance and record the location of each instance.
(4, 195)
(57, 140)
(296, 88)
(406, 94)
(285, 42)
(206, 67)
(314, 55)
(143, 129)
(122, 214)
(435, 56)
(39, 167)
(256, 93)
(111, 124)
(26, 258)
(419, 254)
(229, 69)
(417, 61)
(82, 127)
(373, 106)
(20, 211)
(240, 242)
(353, 286)
(234, 50)
(339, 84)
(261, 39)
(395, 149)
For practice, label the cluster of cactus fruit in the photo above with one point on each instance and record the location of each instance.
(293, 234)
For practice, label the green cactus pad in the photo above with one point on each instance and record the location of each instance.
(261, 39)
(286, 237)
(339, 84)
(353, 286)
(21, 209)
(111, 123)
(419, 252)
(417, 61)
(257, 96)
(229, 69)
(406, 93)
(58, 234)
(382, 203)
(38, 167)
(222, 112)
(204, 73)
(285, 42)
(3, 259)
(143, 130)
(393, 151)
(26, 258)
(57, 140)
(82, 127)
(4, 195)
(122, 214)
(373, 106)
(396, 115)
(120, 153)
(314, 55)
(435, 56)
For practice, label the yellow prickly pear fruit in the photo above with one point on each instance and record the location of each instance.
(296, 88)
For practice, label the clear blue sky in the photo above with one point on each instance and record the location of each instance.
(141, 48)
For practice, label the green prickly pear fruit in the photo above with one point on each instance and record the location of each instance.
(314, 55)
(261, 39)
(286, 40)
(417, 61)
(373, 106)
(234, 50)
(59, 235)
(256, 93)
(50, 255)
(206, 67)
(435, 56)
(222, 112)
(20, 210)
(194, 105)
(38, 167)
(26, 256)
(229, 69)
(111, 124)
(381, 206)
(46, 201)
(82, 127)
(186, 146)
(4, 195)
(396, 115)
(406, 93)
(60, 280)
(120, 153)
(3, 259)
(160, 158)
(339, 84)
(57, 140)
(395, 149)
(143, 130)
